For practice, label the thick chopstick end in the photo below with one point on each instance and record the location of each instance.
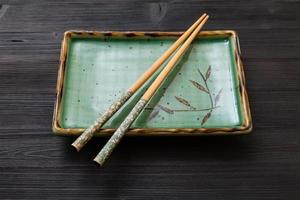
(98, 162)
(75, 146)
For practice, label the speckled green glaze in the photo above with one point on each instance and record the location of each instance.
(117, 136)
(89, 132)
(98, 70)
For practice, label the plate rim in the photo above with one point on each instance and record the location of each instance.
(245, 128)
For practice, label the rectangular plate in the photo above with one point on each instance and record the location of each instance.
(204, 94)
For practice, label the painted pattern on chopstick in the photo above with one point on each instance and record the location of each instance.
(89, 132)
(201, 86)
(116, 138)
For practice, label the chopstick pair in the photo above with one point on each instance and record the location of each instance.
(188, 37)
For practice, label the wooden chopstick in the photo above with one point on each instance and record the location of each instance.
(120, 132)
(165, 56)
(89, 132)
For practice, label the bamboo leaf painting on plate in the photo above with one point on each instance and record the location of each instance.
(201, 85)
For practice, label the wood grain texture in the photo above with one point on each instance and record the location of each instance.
(35, 164)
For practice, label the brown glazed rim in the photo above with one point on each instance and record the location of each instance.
(246, 127)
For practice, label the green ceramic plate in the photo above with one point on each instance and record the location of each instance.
(204, 93)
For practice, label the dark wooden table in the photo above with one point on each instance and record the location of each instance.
(35, 164)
